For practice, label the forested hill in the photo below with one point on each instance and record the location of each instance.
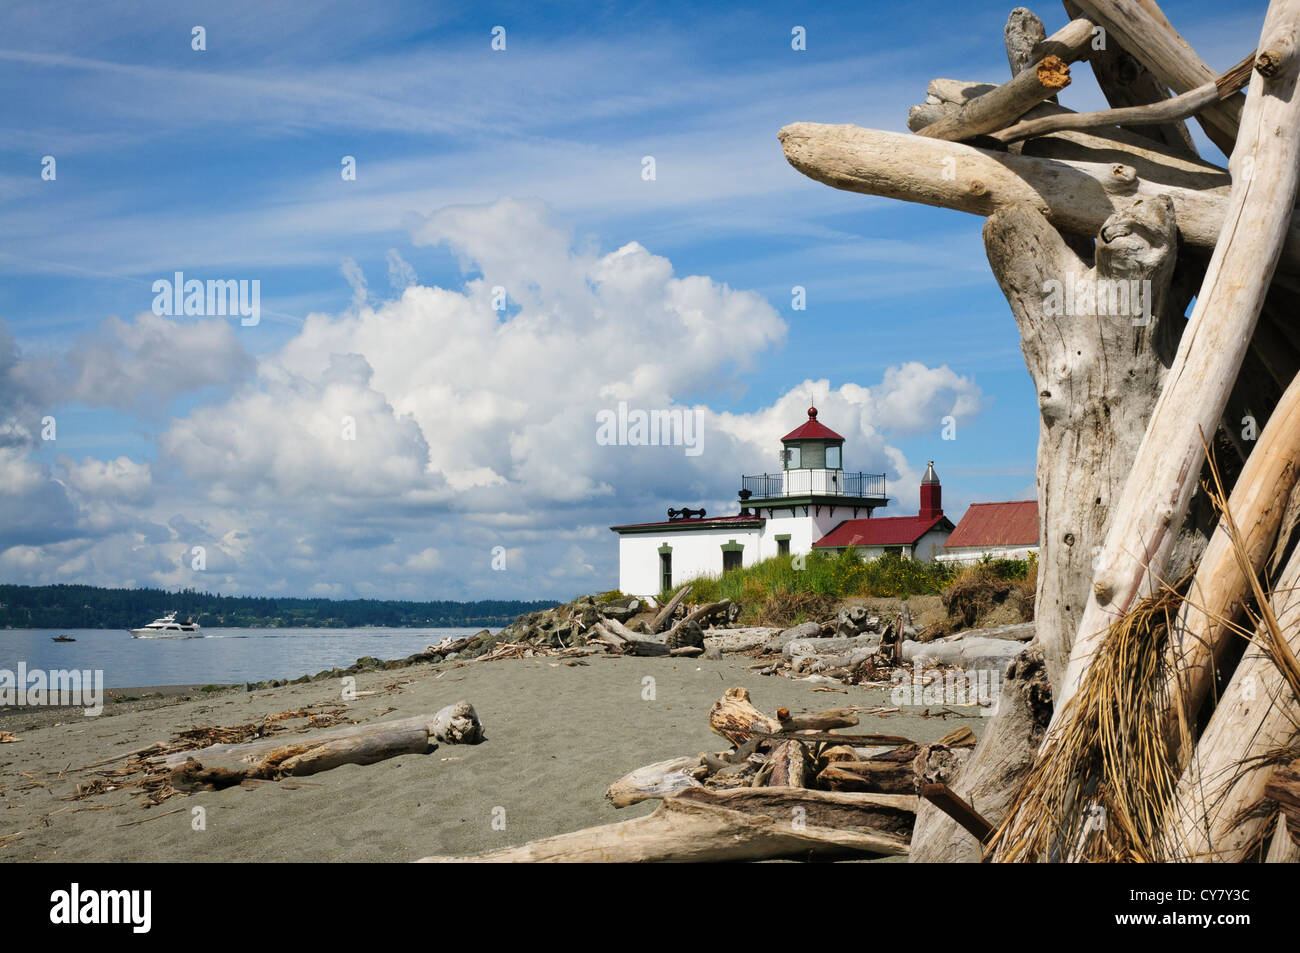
(90, 607)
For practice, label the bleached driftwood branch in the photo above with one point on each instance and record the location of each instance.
(1146, 518)
(1076, 197)
(1180, 107)
(1142, 30)
(1008, 102)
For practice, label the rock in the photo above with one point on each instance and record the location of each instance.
(805, 630)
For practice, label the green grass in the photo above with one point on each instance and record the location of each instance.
(773, 589)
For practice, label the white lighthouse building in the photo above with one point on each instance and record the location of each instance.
(811, 504)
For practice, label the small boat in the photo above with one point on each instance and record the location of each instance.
(63, 638)
(168, 628)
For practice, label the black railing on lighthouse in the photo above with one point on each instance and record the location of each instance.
(819, 482)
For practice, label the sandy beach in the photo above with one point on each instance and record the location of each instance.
(557, 735)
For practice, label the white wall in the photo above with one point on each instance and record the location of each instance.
(974, 554)
(930, 546)
(695, 553)
(802, 530)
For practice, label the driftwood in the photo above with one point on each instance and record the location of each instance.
(1220, 587)
(791, 766)
(1130, 396)
(1000, 760)
(736, 719)
(1180, 107)
(1282, 849)
(1076, 197)
(817, 721)
(669, 608)
(1143, 32)
(1085, 447)
(1146, 519)
(1005, 104)
(366, 749)
(238, 756)
(946, 800)
(661, 779)
(877, 775)
(1214, 816)
(1022, 36)
(741, 824)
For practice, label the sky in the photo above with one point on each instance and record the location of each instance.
(464, 254)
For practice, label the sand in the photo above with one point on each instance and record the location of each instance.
(557, 735)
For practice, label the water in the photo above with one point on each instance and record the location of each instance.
(220, 656)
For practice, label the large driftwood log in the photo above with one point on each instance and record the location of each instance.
(1214, 817)
(736, 825)
(1220, 587)
(252, 752)
(989, 779)
(365, 749)
(1096, 375)
(1158, 492)
(1076, 197)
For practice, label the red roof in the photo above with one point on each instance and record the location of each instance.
(881, 531)
(812, 430)
(705, 523)
(997, 524)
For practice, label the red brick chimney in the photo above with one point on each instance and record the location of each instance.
(931, 494)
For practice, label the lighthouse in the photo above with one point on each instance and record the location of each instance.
(811, 503)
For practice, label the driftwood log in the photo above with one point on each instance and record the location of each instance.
(742, 824)
(989, 779)
(1159, 488)
(223, 765)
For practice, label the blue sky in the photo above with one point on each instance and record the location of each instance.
(475, 168)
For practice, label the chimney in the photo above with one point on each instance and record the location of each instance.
(931, 494)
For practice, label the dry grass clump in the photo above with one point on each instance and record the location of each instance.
(980, 589)
(1110, 736)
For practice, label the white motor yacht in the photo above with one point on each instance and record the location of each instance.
(168, 628)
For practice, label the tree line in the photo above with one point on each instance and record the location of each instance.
(92, 607)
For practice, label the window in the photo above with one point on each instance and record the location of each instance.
(833, 457)
(783, 546)
(792, 458)
(665, 571)
(731, 559)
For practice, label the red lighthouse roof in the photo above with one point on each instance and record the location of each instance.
(811, 430)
